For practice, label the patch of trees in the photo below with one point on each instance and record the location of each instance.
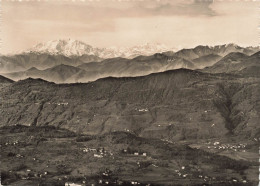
(8, 177)
(84, 138)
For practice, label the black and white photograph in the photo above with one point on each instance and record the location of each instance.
(130, 92)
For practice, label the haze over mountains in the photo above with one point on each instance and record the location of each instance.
(70, 61)
(195, 119)
(222, 70)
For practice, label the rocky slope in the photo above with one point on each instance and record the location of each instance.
(177, 105)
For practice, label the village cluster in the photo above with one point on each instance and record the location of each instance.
(218, 145)
(183, 173)
(97, 152)
(105, 180)
(135, 153)
(104, 183)
(101, 152)
(12, 143)
(61, 103)
(142, 109)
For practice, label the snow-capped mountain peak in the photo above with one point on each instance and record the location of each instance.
(70, 47)
(66, 47)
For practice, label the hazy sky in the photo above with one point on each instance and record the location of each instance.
(175, 23)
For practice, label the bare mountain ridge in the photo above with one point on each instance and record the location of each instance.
(70, 47)
(234, 63)
(5, 80)
(117, 67)
(178, 104)
(41, 61)
(141, 65)
(220, 50)
(59, 74)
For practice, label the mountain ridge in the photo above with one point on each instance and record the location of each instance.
(169, 104)
(117, 67)
(93, 67)
(69, 47)
(234, 62)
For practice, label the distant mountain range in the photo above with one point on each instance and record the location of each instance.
(21, 62)
(117, 67)
(221, 50)
(71, 47)
(59, 68)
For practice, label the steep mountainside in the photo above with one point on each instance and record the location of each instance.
(5, 80)
(179, 104)
(234, 63)
(206, 60)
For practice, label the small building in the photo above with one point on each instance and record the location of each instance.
(71, 184)
(105, 174)
(98, 156)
